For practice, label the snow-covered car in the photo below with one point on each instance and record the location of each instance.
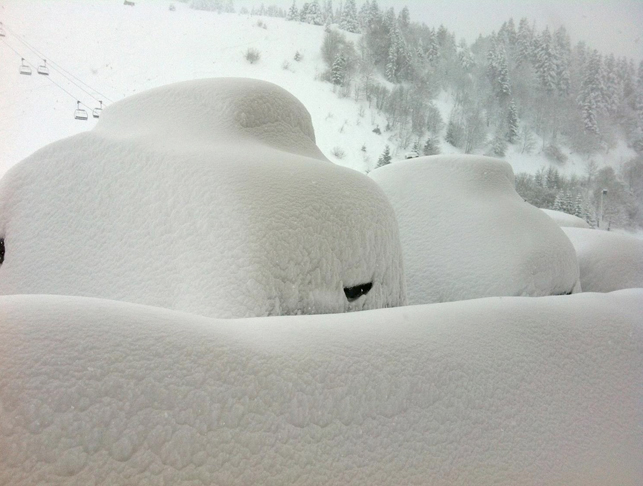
(206, 196)
(608, 261)
(466, 233)
(565, 220)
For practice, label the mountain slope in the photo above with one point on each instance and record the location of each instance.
(119, 50)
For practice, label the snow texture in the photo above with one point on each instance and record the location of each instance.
(466, 233)
(205, 196)
(608, 261)
(498, 391)
(565, 220)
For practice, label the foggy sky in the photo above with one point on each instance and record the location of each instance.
(611, 26)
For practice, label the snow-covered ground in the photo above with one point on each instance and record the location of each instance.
(502, 391)
(119, 51)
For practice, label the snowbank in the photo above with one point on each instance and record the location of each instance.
(608, 261)
(206, 196)
(565, 220)
(466, 233)
(502, 391)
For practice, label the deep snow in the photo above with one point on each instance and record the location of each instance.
(498, 391)
(206, 196)
(608, 261)
(466, 233)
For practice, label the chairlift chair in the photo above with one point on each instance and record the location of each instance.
(97, 111)
(43, 69)
(25, 68)
(80, 114)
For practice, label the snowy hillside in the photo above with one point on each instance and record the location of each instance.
(118, 51)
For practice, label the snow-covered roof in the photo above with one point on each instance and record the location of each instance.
(466, 233)
(608, 261)
(565, 220)
(205, 196)
(503, 391)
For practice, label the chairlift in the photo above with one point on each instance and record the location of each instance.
(97, 111)
(2, 34)
(80, 114)
(43, 69)
(25, 68)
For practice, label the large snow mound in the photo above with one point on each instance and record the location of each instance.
(565, 220)
(502, 391)
(608, 261)
(466, 233)
(206, 196)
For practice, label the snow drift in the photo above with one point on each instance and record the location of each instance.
(565, 220)
(466, 233)
(502, 391)
(206, 196)
(608, 261)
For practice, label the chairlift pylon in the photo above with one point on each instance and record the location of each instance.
(43, 69)
(80, 114)
(25, 68)
(98, 111)
(2, 33)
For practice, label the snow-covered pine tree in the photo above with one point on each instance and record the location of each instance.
(568, 203)
(563, 50)
(442, 36)
(591, 95)
(454, 133)
(613, 88)
(512, 123)
(363, 16)
(507, 33)
(546, 62)
(303, 13)
(293, 13)
(328, 12)
(391, 60)
(465, 57)
(552, 178)
(499, 146)
(498, 70)
(558, 202)
(639, 96)
(524, 41)
(404, 18)
(625, 80)
(385, 158)
(579, 207)
(314, 14)
(338, 70)
(349, 21)
(399, 58)
(432, 48)
(431, 146)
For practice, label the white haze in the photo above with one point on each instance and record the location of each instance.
(610, 27)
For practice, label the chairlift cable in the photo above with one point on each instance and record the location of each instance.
(75, 98)
(61, 70)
